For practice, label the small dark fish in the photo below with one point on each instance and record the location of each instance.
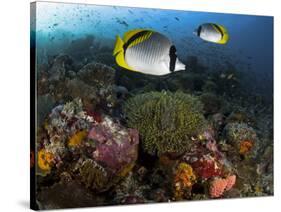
(55, 24)
(177, 18)
(130, 11)
(122, 22)
(125, 23)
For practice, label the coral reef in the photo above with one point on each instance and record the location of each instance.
(111, 136)
(72, 134)
(166, 121)
(211, 103)
(94, 176)
(130, 190)
(242, 136)
(115, 146)
(183, 180)
(45, 160)
(77, 138)
(219, 185)
(67, 193)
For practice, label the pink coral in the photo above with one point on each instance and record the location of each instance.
(231, 180)
(219, 186)
(116, 146)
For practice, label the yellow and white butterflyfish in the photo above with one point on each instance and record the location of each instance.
(212, 33)
(146, 51)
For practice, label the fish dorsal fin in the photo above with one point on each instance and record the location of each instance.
(223, 31)
(131, 33)
(139, 38)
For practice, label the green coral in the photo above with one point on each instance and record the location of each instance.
(166, 121)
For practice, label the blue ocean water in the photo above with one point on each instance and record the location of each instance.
(250, 48)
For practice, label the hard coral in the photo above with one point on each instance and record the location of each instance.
(94, 176)
(166, 121)
(241, 136)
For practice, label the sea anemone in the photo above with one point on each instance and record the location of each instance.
(166, 121)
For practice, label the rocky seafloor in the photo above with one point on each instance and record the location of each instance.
(107, 136)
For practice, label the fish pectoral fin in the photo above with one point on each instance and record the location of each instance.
(118, 46)
(120, 60)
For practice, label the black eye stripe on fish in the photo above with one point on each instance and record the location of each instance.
(199, 31)
(173, 58)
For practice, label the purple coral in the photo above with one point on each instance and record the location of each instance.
(116, 146)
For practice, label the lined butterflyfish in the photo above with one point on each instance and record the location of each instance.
(213, 33)
(146, 51)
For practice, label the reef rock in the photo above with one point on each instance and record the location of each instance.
(67, 193)
(241, 136)
(59, 68)
(116, 146)
(95, 85)
(97, 74)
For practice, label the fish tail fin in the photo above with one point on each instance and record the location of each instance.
(225, 36)
(120, 60)
(118, 45)
(118, 52)
(224, 39)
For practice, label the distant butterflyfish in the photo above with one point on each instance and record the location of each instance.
(148, 52)
(213, 33)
